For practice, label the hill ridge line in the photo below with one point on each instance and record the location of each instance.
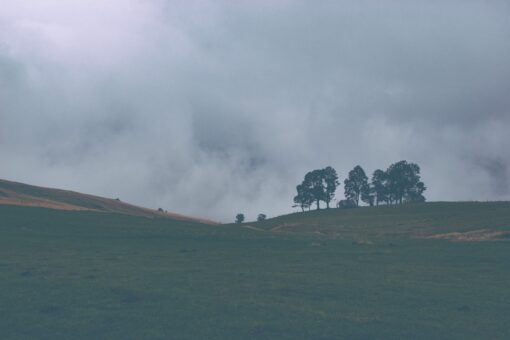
(21, 194)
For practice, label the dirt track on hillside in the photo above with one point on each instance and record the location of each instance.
(481, 235)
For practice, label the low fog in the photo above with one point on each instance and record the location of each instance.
(211, 108)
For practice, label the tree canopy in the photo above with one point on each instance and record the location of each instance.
(239, 218)
(403, 183)
(318, 185)
(400, 183)
(355, 184)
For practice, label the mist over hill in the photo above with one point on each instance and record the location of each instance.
(214, 107)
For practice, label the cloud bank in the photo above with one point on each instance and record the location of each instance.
(211, 108)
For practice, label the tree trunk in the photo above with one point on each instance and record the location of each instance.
(318, 205)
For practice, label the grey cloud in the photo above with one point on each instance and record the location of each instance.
(211, 108)
(498, 172)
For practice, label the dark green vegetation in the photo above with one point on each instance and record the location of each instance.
(356, 274)
(400, 183)
(318, 185)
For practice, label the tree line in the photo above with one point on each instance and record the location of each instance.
(400, 183)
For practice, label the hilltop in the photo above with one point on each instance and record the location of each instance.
(20, 194)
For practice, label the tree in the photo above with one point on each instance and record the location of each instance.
(379, 188)
(318, 185)
(239, 218)
(397, 181)
(368, 194)
(331, 180)
(315, 186)
(303, 199)
(261, 217)
(355, 183)
(415, 194)
(403, 182)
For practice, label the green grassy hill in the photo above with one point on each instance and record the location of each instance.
(83, 274)
(412, 220)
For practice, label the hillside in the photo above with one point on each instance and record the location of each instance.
(451, 220)
(13, 193)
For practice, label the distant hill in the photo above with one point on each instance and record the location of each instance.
(14, 193)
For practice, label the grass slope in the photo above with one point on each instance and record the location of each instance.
(87, 275)
(14, 193)
(412, 220)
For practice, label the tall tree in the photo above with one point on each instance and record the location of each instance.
(403, 182)
(314, 184)
(368, 194)
(318, 185)
(379, 188)
(396, 181)
(331, 181)
(355, 183)
(303, 199)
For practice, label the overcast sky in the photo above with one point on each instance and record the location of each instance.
(211, 108)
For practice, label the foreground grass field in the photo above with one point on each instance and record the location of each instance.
(357, 274)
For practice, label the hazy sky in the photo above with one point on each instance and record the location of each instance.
(211, 108)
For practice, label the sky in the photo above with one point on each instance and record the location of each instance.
(210, 108)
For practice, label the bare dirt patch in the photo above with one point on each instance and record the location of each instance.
(284, 228)
(252, 228)
(481, 235)
(41, 204)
